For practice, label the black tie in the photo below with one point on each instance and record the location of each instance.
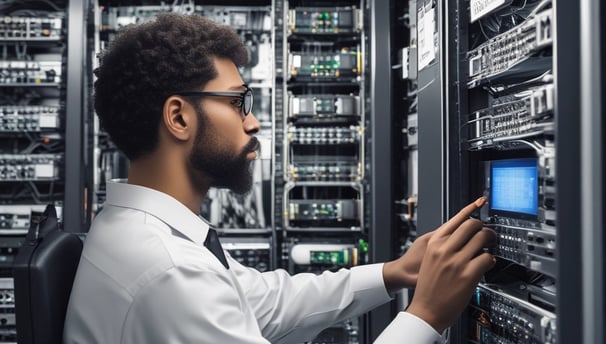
(213, 244)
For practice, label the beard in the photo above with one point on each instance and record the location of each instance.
(225, 169)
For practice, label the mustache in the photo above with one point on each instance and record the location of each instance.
(251, 146)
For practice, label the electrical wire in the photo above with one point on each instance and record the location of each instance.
(539, 7)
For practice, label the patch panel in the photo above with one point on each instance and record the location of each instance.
(323, 107)
(32, 118)
(323, 209)
(326, 66)
(501, 53)
(323, 213)
(30, 72)
(238, 17)
(480, 8)
(332, 206)
(518, 242)
(24, 29)
(324, 135)
(496, 317)
(341, 168)
(115, 18)
(29, 167)
(324, 20)
(522, 115)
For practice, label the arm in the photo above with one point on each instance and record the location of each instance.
(292, 309)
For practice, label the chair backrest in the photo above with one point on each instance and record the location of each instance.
(43, 273)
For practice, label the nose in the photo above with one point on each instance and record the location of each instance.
(251, 124)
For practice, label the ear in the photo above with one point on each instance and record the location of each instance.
(178, 117)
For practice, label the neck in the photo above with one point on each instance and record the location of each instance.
(167, 174)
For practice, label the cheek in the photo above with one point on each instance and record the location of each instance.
(225, 127)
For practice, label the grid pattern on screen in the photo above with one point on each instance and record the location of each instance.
(514, 186)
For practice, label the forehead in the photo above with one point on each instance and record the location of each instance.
(228, 77)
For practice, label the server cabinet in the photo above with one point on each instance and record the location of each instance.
(42, 146)
(321, 186)
(519, 124)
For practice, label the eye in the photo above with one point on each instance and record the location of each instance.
(237, 102)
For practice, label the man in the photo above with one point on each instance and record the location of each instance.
(169, 94)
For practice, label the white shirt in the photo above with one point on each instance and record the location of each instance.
(138, 283)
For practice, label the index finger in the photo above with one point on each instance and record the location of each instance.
(449, 227)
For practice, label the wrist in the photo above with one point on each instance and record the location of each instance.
(396, 278)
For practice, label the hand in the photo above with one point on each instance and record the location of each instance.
(404, 271)
(452, 268)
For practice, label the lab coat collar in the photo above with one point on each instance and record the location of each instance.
(164, 207)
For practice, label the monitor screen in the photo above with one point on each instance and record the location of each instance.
(514, 186)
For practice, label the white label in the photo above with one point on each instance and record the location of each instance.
(125, 21)
(48, 121)
(479, 8)
(295, 106)
(425, 31)
(44, 171)
(296, 61)
(238, 19)
(405, 63)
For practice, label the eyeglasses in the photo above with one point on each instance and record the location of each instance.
(244, 100)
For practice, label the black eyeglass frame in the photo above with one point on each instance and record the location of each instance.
(242, 95)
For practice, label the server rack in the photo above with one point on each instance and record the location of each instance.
(41, 126)
(323, 189)
(508, 75)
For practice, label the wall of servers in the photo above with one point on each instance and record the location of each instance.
(32, 92)
(321, 142)
(507, 126)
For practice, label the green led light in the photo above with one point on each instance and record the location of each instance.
(330, 257)
(363, 246)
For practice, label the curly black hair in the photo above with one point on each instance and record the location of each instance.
(147, 63)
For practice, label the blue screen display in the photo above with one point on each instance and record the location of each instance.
(514, 186)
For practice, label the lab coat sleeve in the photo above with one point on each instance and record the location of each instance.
(407, 328)
(293, 309)
(189, 305)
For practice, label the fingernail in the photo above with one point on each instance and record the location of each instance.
(494, 260)
(480, 202)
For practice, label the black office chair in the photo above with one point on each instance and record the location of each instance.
(43, 274)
